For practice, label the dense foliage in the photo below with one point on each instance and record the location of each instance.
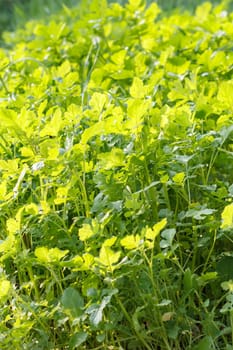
(13, 13)
(116, 186)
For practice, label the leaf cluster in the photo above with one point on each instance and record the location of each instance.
(116, 179)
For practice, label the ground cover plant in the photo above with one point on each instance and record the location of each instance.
(15, 13)
(116, 186)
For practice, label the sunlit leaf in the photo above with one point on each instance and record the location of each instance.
(179, 178)
(130, 242)
(53, 255)
(227, 217)
(137, 89)
(3, 190)
(110, 241)
(98, 101)
(13, 225)
(225, 93)
(61, 195)
(152, 233)
(5, 287)
(108, 257)
(52, 128)
(85, 232)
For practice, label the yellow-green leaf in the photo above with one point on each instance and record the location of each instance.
(110, 241)
(85, 232)
(13, 225)
(5, 287)
(137, 89)
(98, 101)
(227, 216)
(3, 190)
(130, 242)
(155, 231)
(179, 178)
(46, 255)
(53, 127)
(108, 257)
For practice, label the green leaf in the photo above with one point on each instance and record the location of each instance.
(135, 318)
(77, 339)
(73, 302)
(188, 281)
(224, 268)
(205, 344)
(172, 329)
(227, 285)
(199, 213)
(228, 306)
(206, 278)
(96, 314)
(96, 310)
(168, 236)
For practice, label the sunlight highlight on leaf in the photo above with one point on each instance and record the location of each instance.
(151, 234)
(227, 217)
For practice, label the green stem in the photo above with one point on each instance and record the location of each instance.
(153, 195)
(210, 251)
(231, 318)
(56, 278)
(127, 316)
(166, 196)
(195, 239)
(32, 278)
(4, 85)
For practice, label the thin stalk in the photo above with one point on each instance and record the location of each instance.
(32, 278)
(195, 240)
(156, 288)
(85, 198)
(210, 251)
(129, 319)
(153, 195)
(231, 319)
(212, 160)
(55, 278)
(4, 85)
(37, 317)
(166, 196)
(188, 185)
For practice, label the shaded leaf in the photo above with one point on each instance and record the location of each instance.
(72, 301)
